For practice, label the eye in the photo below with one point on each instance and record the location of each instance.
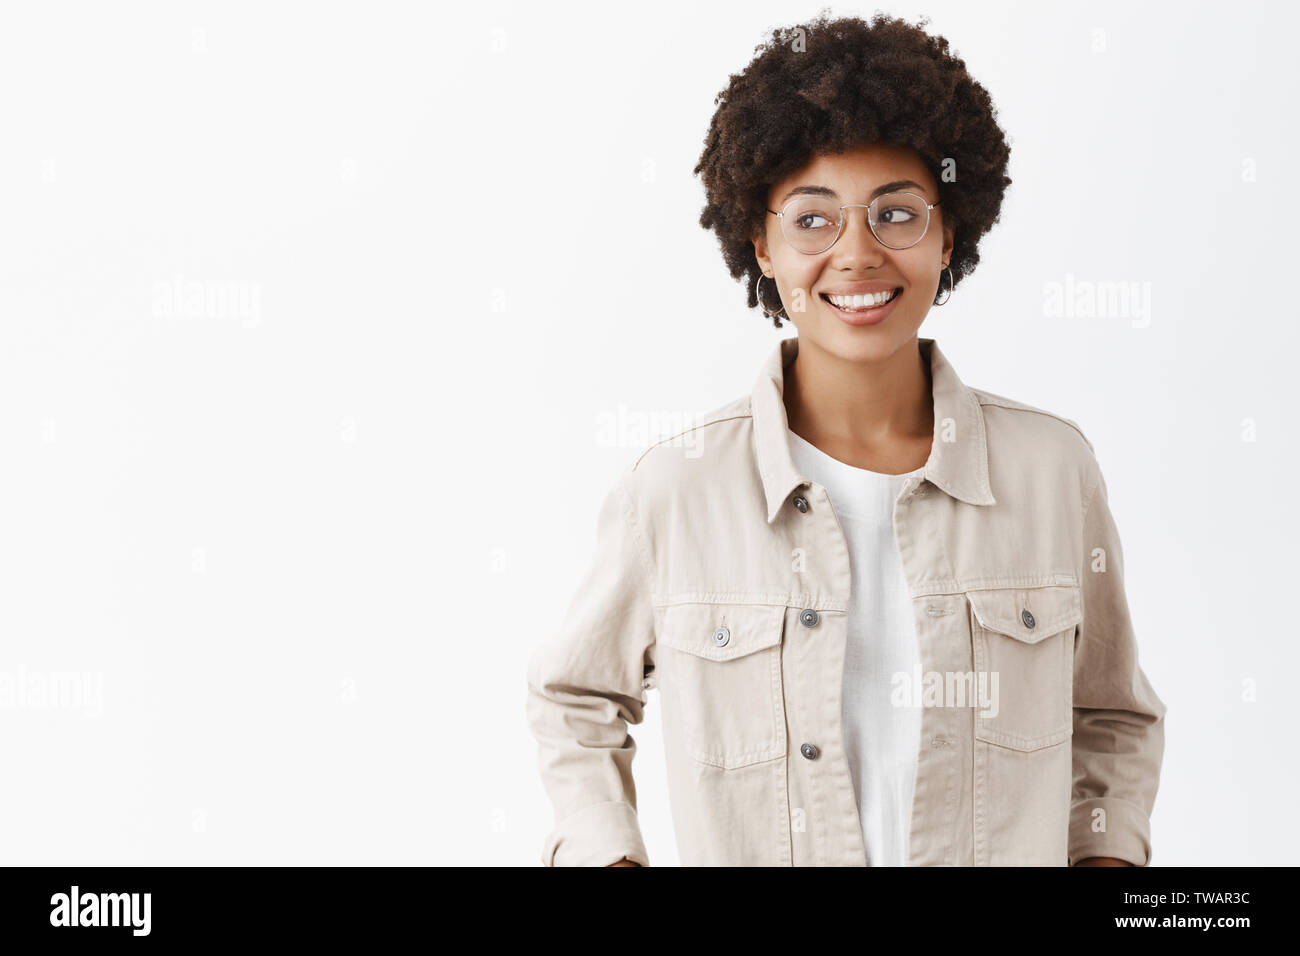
(811, 220)
(896, 214)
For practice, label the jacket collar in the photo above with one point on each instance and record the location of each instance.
(959, 465)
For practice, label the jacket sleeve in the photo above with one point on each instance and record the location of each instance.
(585, 685)
(1119, 726)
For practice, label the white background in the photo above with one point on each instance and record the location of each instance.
(301, 542)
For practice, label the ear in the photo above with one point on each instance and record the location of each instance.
(948, 234)
(760, 253)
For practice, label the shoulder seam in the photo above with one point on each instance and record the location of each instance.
(1010, 403)
(628, 513)
(705, 424)
(1091, 494)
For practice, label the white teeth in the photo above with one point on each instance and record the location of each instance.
(860, 301)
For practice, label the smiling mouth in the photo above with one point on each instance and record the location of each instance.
(860, 308)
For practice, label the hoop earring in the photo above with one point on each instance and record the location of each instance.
(951, 283)
(759, 285)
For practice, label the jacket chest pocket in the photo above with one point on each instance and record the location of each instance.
(1022, 642)
(719, 668)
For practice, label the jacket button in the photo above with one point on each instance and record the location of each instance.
(1027, 618)
(808, 617)
(721, 636)
(809, 750)
(801, 503)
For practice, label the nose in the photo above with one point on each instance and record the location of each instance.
(857, 243)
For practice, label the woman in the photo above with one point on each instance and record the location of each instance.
(885, 610)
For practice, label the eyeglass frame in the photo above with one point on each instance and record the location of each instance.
(867, 206)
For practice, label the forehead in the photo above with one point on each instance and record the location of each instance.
(858, 171)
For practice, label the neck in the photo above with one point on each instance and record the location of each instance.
(878, 410)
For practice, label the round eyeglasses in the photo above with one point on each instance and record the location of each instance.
(812, 224)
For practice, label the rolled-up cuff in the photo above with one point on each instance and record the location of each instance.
(1126, 836)
(598, 835)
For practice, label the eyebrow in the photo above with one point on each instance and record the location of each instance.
(825, 191)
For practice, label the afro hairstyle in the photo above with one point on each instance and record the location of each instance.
(829, 85)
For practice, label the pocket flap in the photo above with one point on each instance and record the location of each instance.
(721, 632)
(1028, 614)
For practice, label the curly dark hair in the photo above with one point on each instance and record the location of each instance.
(855, 83)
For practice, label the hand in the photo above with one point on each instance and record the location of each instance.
(1103, 861)
(625, 862)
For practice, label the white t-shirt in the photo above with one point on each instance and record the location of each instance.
(881, 740)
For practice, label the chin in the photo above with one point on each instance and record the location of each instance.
(864, 345)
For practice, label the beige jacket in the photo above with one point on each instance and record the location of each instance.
(721, 576)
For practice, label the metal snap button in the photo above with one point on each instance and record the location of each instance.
(808, 617)
(801, 503)
(721, 636)
(1027, 618)
(809, 750)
